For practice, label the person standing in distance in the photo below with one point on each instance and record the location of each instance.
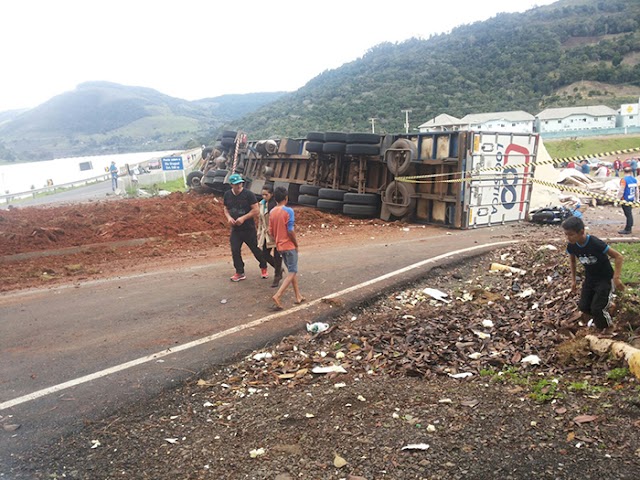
(628, 192)
(114, 176)
(617, 166)
(281, 228)
(240, 208)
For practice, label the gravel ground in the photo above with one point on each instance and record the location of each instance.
(414, 388)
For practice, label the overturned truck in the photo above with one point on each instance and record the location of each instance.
(460, 179)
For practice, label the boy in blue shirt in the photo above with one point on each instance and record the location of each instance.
(601, 280)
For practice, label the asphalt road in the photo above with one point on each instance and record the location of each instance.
(93, 191)
(75, 354)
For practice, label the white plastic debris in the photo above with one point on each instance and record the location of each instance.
(445, 400)
(416, 446)
(361, 398)
(526, 293)
(437, 294)
(95, 443)
(487, 323)
(223, 301)
(531, 359)
(547, 247)
(339, 355)
(431, 428)
(461, 375)
(330, 369)
(256, 452)
(482, 335)
(171, 440)
(340, 385)
(317, 327)
(475, 356)
(262, 356)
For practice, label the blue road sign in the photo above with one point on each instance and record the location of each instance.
(172, 163)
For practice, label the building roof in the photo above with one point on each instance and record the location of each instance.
(442, 120)
(514, 116)
(560, 113)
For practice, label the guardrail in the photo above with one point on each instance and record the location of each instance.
(7, 198)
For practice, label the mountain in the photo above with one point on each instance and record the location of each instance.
(104, 117)
(572, 52)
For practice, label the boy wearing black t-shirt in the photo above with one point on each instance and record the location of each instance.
(600, 279)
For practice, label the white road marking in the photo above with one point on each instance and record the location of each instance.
(186, 346)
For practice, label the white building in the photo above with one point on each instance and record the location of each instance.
(515, 121)
(576, 118)
(628, 115)
(442, 123)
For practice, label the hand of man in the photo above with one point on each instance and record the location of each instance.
(619, 285)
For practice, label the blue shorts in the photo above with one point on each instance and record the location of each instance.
(290, 258)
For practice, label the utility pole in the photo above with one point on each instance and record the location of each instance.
(406, 112)
(373, 124)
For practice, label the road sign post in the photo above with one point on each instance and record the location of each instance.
(173, 163)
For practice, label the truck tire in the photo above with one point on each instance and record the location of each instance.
(362, 199)
(229, 133)
(194, 179)
(362, 211)
(333, 147)
(309, 190)
(362, 149)
(398, 198)
(331, 194)
(335, 137)
(330, 205)
(315, 137)
(314, 147)
(367, 138)
(220, 173)
(400, 155)
(309, 200)
(228, 141)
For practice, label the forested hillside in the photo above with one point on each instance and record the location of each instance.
(530, 61)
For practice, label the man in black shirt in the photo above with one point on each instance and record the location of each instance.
(600, 279)
(240, 208)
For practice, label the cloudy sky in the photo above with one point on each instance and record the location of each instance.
(203, 48)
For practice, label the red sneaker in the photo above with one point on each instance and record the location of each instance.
(264, 273)
(238, 276)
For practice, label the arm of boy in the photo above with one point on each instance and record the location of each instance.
(617, 269)
(293, 238)
(572, 264)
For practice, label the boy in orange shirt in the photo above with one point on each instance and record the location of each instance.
(281, 228)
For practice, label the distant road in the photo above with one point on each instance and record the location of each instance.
(93, 191)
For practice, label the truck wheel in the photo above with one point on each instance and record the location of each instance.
(399, 156)
(310, 200)
(362, 149)
(330, 205)
(335, 137)
(363, 211)
(315, 137)
(333, 147)
(228, 141)
(314, 147)
(194, 179)
(331, 194)
(368, 138)
(229, 133)
(362, 199)
(399, 198)
(309, 190)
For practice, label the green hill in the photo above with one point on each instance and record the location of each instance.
(573, 52)
(528, 61)
(103, 117)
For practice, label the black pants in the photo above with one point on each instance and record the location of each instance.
(595, 300)
(628, 213)
(274, 260)
(250, 238)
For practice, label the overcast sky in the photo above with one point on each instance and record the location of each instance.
(203, 48)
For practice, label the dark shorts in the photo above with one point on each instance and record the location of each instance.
(290, 258)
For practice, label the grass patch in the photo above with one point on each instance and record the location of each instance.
(589, 146)
(631, 267)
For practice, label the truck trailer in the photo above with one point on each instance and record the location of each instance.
(458, 179)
